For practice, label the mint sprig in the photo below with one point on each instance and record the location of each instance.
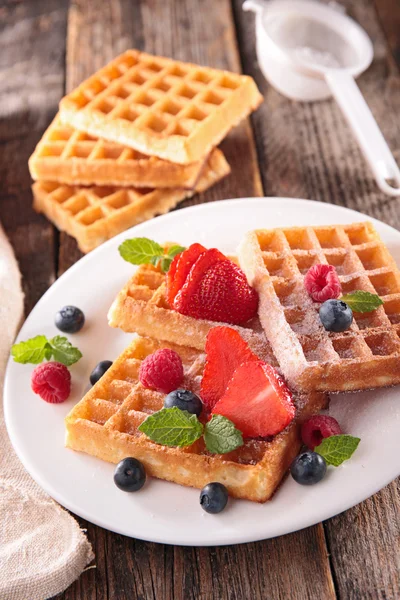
(221, 435)
(37, 349)
(337, 448)
(141, 251)
(361, 301)
(172, 427)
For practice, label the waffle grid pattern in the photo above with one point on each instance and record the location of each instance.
(105, 423)
(281, 258)
(73, 157)
(177, 111)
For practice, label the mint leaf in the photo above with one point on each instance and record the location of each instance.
(174, 250)
(165, 264)
(172, 427)
(221, 435)
(361, 301)
(337, 448)
(140, 251)
(33, 351)
(63, 351)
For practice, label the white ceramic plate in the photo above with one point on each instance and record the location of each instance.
(161, 511)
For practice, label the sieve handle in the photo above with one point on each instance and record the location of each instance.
(366, 130)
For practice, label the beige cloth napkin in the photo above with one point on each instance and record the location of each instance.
(42, 548)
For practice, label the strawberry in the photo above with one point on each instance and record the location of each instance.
(216, 289)
(180, 268)
(257, 400)
(225, 350)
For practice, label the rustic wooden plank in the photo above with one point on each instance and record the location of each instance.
(32, 46)
(296, 566)
(306, 150)
(389, 16)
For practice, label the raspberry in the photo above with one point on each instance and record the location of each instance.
(52, 381)
(316, 428)
(162, 371)
(322, 283)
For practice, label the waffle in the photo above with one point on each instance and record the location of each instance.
(68, 156)
(105, 424)
(161, 107)
(94, 215)
(365, 356)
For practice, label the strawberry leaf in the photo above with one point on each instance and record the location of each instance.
(361, 301)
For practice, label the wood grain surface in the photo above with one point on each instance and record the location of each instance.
(288, 149)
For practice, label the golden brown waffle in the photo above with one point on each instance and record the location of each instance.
(68, 156)
(365, 356)
(161, 107)
(105, 424)
(94, 215)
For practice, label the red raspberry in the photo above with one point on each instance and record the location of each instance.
(162, 371)
(322, 283)
(316, 428)
(52, 381)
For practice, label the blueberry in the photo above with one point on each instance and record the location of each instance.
(184, 400)
(99, 371)
(308, 468)
(70, 319)
(213, 497)
(129, 475)
(335, 315)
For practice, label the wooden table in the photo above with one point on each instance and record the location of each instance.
(300, 150)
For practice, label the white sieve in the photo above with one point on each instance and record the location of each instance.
(310, 51)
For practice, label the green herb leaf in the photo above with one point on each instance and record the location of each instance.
(172, 427)
(63, 351)
(174, 250)
(337, 448)
(221, 435)
(140, 251)
(33, 351)
(361, 301)
(165, 264)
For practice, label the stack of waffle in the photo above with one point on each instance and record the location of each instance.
(133, 140)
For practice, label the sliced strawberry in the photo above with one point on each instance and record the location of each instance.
(257, 400)
(217, 289)
(180, 268)
(225, 350)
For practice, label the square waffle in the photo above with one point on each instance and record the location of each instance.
(161, 107)
(68, 156)
(311, 358)
(93, 215)
(105, 424)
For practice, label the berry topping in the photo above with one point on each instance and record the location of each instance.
(257, 401)
(180, 268)
(322, 283)
(99, 371)
(184, 400)
(213, 497)
(129, 475)
(308, 468)
(318, 427)
(162, 371)
(70, 319)
(335, 315)
(226, 351)
(52, 381)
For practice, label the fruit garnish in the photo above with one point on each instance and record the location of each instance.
(335, 315)
(318, 427)
(180, 269)
(226, 350)
(184, 400)
(162, 371)
(69, 319)
(257, 400)
(140, 251)
(99, 371)
(221, 435)
(129, 475)
(322, 283)
(361, 301)
(52, 381)
(216, 289)
(172, 427)
(213, 497)
(37, 349)
(308, 468)
(337, 448)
